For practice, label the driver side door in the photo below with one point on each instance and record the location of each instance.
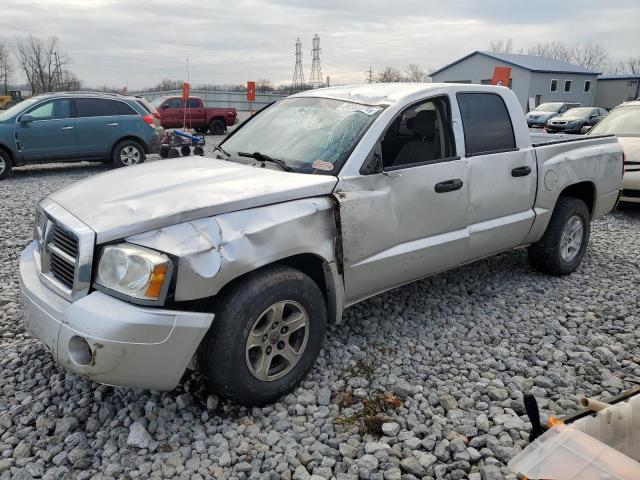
(410, 219)
(50, 135)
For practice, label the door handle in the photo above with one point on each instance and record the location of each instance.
(520, 171)
(113, 124)
(67, 128)
(449, 185)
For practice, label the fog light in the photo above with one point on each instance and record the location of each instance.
(80, 351)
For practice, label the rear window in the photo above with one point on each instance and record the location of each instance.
(193, 103)
(486, 122)
(101, 107)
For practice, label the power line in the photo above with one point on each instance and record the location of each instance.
(298, 75)
(370, 74)
(315, 78)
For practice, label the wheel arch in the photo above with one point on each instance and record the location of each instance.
(323, 273)
(585, 191)
(142, 143)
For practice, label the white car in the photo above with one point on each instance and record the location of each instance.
(624, 122)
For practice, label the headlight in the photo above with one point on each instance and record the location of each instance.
(134, 271)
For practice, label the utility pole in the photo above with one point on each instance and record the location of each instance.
(370, 72)
(315, 79)
(298, 76)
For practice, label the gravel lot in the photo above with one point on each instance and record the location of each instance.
(424, 381)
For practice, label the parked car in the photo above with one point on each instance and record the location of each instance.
(243, 259)
(196, 115)
(573, 120)
(73, 127)
(543, 112)
(624, 122)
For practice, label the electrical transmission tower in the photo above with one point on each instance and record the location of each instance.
(298, 76)
(370, 74)
(315, 78)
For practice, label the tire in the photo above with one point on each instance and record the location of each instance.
(127, 153)
(164, 152)
(198, 150)
(173, 153)
(5, 164)
(548, 255)
(233, 370)
(185, 151)
(216, 127)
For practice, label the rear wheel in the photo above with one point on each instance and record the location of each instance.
(561, 248)
(216, 127)
(185, 151)
(127, 153)
(5, 164)
(267, 334)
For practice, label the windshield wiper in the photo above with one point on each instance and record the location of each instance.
(218, 147)
(266, 158)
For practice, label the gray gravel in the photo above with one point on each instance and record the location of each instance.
(425, 381)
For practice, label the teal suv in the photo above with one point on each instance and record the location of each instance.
(76, 126)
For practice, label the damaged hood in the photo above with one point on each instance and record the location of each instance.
(136, 199)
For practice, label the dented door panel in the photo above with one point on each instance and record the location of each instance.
(396, 228)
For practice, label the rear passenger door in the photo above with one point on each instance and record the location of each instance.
(97, 126)
(502, 177)
(196, 115)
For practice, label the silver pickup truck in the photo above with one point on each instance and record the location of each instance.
(237, 263)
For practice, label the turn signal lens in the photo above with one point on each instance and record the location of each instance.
(156, 281)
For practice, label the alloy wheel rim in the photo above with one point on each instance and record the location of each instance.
(129, 155)
(571, 238)
(277, 340)
(3, 165)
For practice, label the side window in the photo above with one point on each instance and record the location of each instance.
(587, 86)
(173, 103)
(567, 86)
(486, 122)
(43, 112)
(421, 134)
(554, 86)
(193, 103)
(52, 110)
(94, 107)
(121, 108)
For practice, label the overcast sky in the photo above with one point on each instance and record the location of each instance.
(232, 41)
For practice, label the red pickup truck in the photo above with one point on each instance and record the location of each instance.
(196, 115)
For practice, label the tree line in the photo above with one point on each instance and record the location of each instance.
(592, 56)
(44, 65)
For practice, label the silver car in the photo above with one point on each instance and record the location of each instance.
(624, 122)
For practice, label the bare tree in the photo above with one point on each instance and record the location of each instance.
(592, 56)
(42, 63)
(555, 50)
(501, 46)
(264, 85)
(6, 68)
(390, 75)
(631, 65)
(415, 74)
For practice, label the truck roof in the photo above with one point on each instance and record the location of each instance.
(387, 93)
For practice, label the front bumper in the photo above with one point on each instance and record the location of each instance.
(128, 345)
(631, 186)
(568, 128)
(537, 122)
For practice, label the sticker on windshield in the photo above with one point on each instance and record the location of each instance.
(355, 107)
(321, 165)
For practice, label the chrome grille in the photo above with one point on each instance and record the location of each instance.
(63, 255)
(65, 250)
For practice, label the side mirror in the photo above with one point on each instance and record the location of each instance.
(164, 107)
(24, 119)
(585, 129)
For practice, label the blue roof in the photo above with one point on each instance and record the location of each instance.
(533, 63)
(622, 76)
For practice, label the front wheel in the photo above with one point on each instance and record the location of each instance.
(561, 248)
(266, 336)
(127, 153)
(5, 164)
